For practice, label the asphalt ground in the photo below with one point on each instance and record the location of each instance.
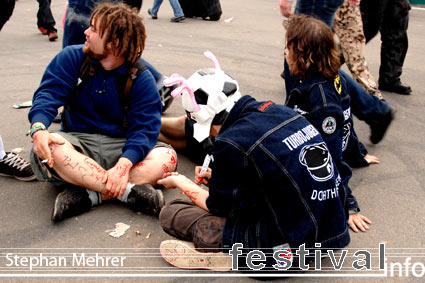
(248, 41)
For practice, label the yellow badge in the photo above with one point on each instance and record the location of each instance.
(337, 84)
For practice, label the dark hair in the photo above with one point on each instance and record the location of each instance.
(118, 23)
(313, 47)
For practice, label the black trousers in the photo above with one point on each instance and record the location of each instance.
(44, 16)
(391, 19)
(6, 10)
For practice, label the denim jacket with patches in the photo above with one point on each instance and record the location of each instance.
(274, 180)
(326, 105)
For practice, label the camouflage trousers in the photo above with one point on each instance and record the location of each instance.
(348, 27)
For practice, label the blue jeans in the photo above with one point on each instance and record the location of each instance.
(321, 9)
(177, 9)
(364, 106)
(76, 22)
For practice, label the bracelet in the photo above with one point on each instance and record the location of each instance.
(35, 128)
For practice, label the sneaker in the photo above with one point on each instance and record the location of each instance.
(184, 255)
(379, 127)
(42, 30)
(165, 93)
(12, 165)
(72, 201)
(144, 198)
(53, 35)
(177, 19)
(150, 14)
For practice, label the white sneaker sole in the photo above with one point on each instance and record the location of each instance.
(184, 255)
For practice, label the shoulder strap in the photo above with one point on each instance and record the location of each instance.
(133, 73)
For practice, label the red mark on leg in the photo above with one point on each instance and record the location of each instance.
(173, 159)
(165, 168)
(140, 164)
(93, 165)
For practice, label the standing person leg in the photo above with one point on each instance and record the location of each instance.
(394, 46)
(153, 12)
(134, 4)
(186, 221)
(372, 12)
(320, 9)
(178, 12)
(348, 27)
(76, 22)
(6, 12)
(45, 21)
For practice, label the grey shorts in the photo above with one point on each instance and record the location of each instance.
(103, 149)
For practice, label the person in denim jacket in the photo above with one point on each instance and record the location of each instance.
(321, 96)
(273, 184)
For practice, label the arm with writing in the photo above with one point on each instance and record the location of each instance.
(193, 191)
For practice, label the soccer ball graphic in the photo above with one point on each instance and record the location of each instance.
(207, 95)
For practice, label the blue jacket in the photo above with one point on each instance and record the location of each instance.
(274, 181)
(326, 105)
(96, 108)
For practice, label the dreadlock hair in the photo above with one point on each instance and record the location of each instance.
(121, 26)
(313, 47)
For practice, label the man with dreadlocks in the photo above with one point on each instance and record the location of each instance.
(106, 145)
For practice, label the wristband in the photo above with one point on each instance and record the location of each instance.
(35, 128)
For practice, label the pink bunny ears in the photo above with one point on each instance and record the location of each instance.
(179, 79)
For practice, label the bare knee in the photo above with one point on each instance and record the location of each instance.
(160, 160)
(166, 156)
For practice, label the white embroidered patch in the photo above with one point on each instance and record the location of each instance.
(329, 125)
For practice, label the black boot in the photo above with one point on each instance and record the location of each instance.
(72, 201)
(396, 87)
(380, 126)
(144, 198)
